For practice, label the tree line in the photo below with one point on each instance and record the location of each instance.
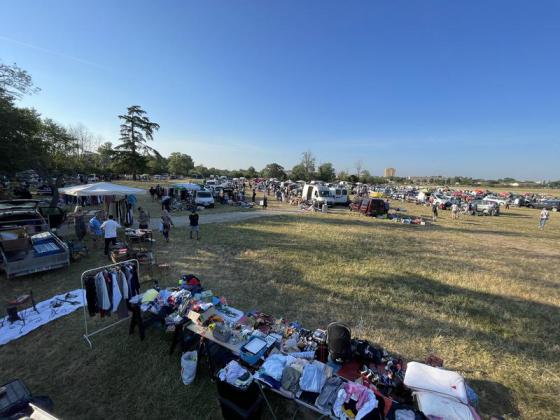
(30, 141)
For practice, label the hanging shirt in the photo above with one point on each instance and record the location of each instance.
(102, 294)
(117, 296)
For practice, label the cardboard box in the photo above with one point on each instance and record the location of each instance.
(13, 240)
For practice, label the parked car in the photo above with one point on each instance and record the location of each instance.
(442, 201)
(484, 207)
(204, 198)
(370, 206)
(317, 192)
(498, 200)
(553, 205)
(22, 213)
(340, 195)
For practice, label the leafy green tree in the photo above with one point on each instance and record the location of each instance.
(20, 143)
(353, 178)
(326, 172)
(15, 82)
(274, 170)
(251, 172)
(365, 176)
(60, 146)
(298, 173)
(157, 165)
(105, 154)
(180, 163)
(202, 171)
(136, 131)
(342, 175)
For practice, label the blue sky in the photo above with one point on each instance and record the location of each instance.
(429, 87)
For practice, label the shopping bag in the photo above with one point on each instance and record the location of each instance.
(189, 360)
(161, 226)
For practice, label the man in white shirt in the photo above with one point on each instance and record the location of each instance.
(544, 218)
(110, 229)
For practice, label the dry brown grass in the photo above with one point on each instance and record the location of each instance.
(482, 292)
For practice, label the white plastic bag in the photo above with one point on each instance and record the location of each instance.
(189, 360)
(161, 226)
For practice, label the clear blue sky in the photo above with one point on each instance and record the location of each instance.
(429, 87)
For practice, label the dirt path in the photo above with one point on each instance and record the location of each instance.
(235, 216)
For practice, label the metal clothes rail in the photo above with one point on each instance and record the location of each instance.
(87, 333)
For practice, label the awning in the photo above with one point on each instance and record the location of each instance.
(100, 188)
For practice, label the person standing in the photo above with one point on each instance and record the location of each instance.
(265, 202)
(143, 219)
(110, 227)
(166, 224)
(193, 222)
(79, 223)
(254, 197)
(544, 217)
(454, 211)
(434, 211)
(166, 203)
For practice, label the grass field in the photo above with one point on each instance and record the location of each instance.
(481, 292)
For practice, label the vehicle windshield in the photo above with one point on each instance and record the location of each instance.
(324, 193)
(203, 194)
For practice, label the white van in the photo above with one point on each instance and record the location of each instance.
(318, 193)
(204, 198)
(211, 183)
(340, 195)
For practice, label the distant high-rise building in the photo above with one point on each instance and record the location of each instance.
(389, 172)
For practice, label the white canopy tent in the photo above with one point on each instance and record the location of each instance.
(100, 189)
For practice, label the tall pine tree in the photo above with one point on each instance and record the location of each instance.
(136, 129)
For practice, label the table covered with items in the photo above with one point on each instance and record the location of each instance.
(324, 370)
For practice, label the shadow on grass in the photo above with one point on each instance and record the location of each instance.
(497, 321)
(488, 391)
(437, 310)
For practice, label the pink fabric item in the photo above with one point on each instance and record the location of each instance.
(357, 390)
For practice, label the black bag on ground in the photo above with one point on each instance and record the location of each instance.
(366, 353)
(339, 340)
(238, 404)
(218, 357)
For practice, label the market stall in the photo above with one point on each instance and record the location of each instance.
(115, 198)
(326, 371)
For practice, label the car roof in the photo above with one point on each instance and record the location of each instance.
(18, 204)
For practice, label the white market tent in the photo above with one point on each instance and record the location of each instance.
(100, 189)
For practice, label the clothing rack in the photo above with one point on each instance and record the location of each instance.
(88, 334)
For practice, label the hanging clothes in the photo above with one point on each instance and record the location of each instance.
(102, 292)
(91, 295)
